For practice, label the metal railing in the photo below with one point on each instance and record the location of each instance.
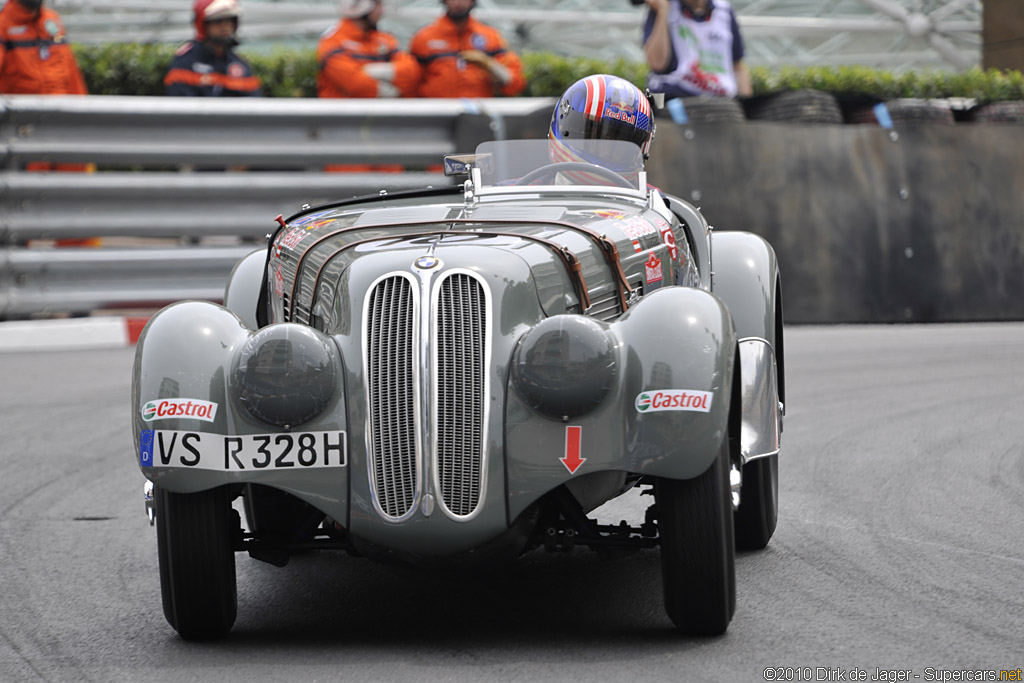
(184, 187)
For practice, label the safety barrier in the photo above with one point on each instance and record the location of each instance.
(919, 222)
(184, 187)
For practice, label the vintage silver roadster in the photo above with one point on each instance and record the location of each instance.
(463, 374)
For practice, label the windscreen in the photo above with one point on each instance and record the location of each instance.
(547, 162)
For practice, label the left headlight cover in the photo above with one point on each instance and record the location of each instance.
(285, 374)
(565, 366)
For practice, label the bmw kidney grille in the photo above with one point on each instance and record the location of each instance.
(461, 335)
(390, 357)
(458, 377)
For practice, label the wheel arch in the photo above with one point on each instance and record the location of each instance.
(242, 291)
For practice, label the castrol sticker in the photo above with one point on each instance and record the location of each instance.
(674, 399)
(168, 408)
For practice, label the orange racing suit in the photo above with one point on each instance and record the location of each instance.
(342, 54)
(35, 58)
(438, 47)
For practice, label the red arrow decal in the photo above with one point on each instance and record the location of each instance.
(572, 459)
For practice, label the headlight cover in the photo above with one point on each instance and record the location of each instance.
(564, 366)
(285, 374)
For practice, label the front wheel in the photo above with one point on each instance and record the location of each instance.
(698, 557)
(197, 561)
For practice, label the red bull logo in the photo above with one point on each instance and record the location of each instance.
(620, 114)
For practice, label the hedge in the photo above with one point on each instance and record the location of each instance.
(138, 69)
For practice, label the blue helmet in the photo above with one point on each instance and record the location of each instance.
(603, 107)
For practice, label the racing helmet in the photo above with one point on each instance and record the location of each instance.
(601, 107)
(209, 10)
(354, 9)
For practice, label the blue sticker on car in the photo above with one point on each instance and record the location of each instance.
(146, 448)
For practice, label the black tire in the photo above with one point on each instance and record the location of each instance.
(709, 109)
(197, 562)
(698, 556)
(795, 106)
(759, 504)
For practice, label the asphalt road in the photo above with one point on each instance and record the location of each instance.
(900, 546)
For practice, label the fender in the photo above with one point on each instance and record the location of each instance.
(748, 281)
(188, 385)
(241, 294)
(761, 430)
(746, 277)
(666, 411)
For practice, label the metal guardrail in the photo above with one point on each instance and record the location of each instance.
(188, 170)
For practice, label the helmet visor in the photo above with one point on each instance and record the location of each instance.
(604, 128)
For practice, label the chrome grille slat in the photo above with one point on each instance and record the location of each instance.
(390, 341)
(460, 357)
(606, 308)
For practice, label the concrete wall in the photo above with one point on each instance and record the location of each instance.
(924, 223)
(1002, 34)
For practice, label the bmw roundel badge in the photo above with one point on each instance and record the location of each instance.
(427, 262)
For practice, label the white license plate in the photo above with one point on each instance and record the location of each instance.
(242, 453)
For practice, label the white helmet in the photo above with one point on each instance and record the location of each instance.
(218, 9)
(353, 9)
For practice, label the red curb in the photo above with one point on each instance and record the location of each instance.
(134, 327)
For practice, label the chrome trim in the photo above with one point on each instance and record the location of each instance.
(424, 363)
(607, 307)
(505, 190)
(735, 485)
(392, 510)
(761, 424)
(147, 493)
(427, 506)
(480, 387)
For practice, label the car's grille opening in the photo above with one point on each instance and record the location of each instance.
(606, 307)
(461, 356)
(390, 360)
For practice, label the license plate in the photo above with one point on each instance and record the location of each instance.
(242, 453)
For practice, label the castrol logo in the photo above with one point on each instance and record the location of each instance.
(167, 408)
(674, 399)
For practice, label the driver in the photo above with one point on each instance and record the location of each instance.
(601, 107)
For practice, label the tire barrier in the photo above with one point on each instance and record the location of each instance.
(795, 106)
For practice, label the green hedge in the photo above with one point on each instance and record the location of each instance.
(985, 86)
(138, 69)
